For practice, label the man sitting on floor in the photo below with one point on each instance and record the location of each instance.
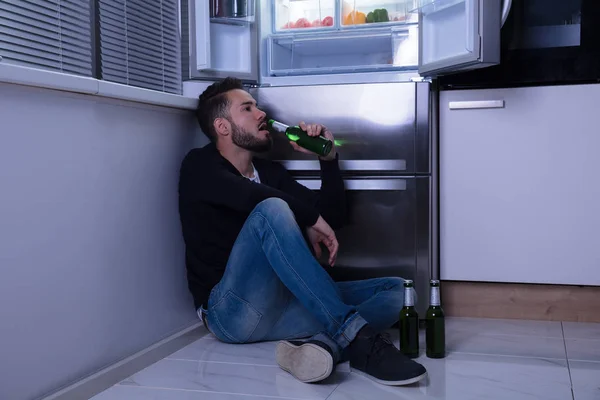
(249, 228)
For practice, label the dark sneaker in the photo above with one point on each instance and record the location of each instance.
(309, 361)
(374, 355)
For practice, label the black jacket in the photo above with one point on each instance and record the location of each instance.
(215, 200)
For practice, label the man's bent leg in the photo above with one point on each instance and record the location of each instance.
(269, 260)
(379, 300)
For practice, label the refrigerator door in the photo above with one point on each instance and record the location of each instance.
(223, 41)
(374, 125)
(458, 35)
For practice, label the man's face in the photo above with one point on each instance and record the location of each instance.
(248, 123)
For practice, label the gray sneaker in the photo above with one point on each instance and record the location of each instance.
(309, 361)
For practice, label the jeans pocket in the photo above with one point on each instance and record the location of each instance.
(235, 317)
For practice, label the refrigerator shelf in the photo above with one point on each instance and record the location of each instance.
(432, 5)
(375, 13)
(304, 15)
(337, 52)
(233, 21)
(334, 15)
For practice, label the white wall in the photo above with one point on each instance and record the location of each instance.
(91, 253)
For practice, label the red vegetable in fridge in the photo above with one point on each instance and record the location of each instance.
(328, 21)
(317, 22)
(302, 23)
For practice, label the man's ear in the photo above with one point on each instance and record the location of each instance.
(222, 126)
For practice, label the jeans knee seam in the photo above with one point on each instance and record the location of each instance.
(259, 214)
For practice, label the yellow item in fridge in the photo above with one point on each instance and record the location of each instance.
(346, 9)
(355, 18)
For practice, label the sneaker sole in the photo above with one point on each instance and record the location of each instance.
(307, 362)
(389, 383)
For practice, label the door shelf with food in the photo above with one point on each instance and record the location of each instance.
(223, 41)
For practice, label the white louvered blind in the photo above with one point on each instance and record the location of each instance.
(47, 34)
(139, 43)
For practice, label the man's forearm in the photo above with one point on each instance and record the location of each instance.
(332, 199)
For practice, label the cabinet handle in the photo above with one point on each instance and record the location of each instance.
(469, 105)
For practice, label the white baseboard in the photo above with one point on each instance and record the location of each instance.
(117, 372)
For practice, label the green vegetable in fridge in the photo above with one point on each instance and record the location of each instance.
(378, 15)
(381, 15)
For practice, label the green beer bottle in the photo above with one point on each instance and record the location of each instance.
(317, 144)
(409, 323)
(435, 326)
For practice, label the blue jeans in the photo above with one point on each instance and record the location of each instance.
(273, 288)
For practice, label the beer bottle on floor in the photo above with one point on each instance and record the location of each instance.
(435, 327)
(317, 144)
(409, 323)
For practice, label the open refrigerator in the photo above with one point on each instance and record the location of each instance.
(283, 42)
(360, 67)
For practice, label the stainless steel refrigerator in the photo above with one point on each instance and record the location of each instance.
(385, 157)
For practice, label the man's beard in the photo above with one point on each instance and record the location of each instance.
(246, 140)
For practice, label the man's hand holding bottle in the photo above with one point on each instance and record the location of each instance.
(316, 130)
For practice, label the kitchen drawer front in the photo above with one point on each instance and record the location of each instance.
(519, 185)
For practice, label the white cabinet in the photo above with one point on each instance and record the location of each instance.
(520, 185)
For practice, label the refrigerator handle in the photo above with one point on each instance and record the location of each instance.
(360, 184)
(470, 105)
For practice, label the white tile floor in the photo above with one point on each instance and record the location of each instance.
(487, 359)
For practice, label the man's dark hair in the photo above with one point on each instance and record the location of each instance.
(215, 104)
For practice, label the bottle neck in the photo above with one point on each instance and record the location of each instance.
(409, 298)
(435, 296)
(278, 126)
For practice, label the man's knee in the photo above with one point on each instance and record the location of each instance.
(274, 207)
(394, 283)
(272, 204)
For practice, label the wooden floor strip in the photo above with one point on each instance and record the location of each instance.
(521, 301)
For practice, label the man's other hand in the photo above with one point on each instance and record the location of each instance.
(321, 232)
